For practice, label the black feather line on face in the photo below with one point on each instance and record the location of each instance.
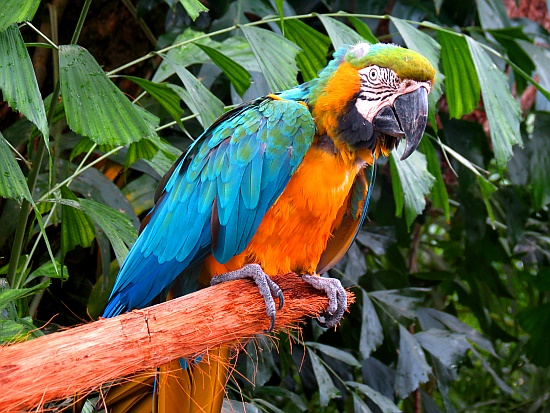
(354, 129)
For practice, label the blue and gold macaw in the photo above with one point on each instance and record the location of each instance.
(274, 186)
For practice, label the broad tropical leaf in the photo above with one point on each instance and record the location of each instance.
(372, 334)
(439, 195)
(238, 75)
(12, 182)
(203, 102)
(116, 225)
(412, 368)
(314, 45)
(17, 11)
(76, 228)
(335, 353)
(339, 33)
(327, 390)
(163, 94)
(363, 30)
(386, 405)
(276, 57)
(98, 109)
(412, 183)
(502, 110)
(462, 97)
(18, 81)
(193, 8)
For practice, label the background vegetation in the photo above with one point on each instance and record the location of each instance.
(452, 268)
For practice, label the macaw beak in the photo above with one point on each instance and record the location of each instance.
(406, 119)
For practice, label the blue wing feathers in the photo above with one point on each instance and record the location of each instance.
(242, 163)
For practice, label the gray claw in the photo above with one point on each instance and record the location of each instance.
(267, 287)
(337, 298)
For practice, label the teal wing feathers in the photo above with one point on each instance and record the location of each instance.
(216, 196)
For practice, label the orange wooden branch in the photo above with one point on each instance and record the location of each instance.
(59, 365)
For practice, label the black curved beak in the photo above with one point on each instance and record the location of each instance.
(406, 119)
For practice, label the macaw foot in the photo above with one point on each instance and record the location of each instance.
(337, 298)
(267, 287)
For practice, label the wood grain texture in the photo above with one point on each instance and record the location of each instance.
(78, 360)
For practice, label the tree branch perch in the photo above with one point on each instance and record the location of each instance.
(59, 365)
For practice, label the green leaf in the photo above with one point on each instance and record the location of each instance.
(492, 14)
(412, 368)
(456, 59)
(359, 405)
(385, 404)
(532, 320)
(87, 145)
(94, 106)
(335, 353)
(446, 346)
(296, 400)
(541, 58)
(487, 189)
(193, 8)
(438, 194)
(314, 45)
(397, 302)
(17, 79)
(276, 57)
(426, 315)
(94, 185)
(281, 22)
(503, 112)
(12, 181)
(422, 43)
(144, 149)
(418, 41)
(17, 11)
(203, 102)
(327, 390)
(363, 30)
(234, 47)
(372, 334)
(76, 228)
(539, 161)
(507, 37)
(15, 331)
(164, 159)
(8, 295)
(168, 99)
(238, 75)
(398, 194)
(116, 225)
(50, 270)
(339, 33)
(415, 182)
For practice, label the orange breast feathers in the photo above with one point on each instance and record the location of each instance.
(296, 229)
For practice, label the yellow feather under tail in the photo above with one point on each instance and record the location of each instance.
(198, 389)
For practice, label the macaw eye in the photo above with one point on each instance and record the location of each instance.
(373, 74)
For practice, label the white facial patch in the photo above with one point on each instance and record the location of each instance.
(378, 89)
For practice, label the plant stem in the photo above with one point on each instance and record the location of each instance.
(80, 22)
(14, 279)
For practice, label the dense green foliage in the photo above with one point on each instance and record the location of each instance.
(451, 271)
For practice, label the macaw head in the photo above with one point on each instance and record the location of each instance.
(371, 96)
